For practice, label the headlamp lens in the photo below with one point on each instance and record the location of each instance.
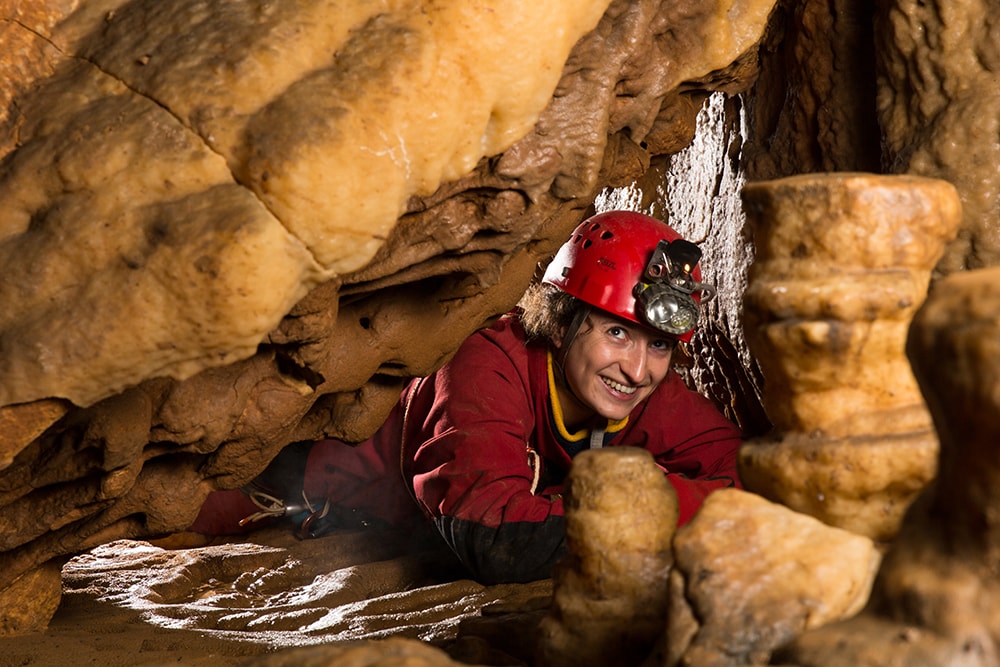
(668, 310)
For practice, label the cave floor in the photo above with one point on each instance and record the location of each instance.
(187, 601)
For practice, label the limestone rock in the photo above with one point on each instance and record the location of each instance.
(939, 110)
(21, 424)
(28, 603)
(610, 598)
(863, 484)
(925, 68)
(843, 261)
(347, 585)
(866, 641)
(202, 181)
(749, 575)
(24, 58)
(386, 653)
(811, 108)
(937, 586)
(228, 116)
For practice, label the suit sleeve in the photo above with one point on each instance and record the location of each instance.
(701, 454)
(466, 434)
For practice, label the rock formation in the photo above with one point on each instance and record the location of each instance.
(936, 600)
(896, 87)
(744, 577)
(214, 244)
(392, 651)
(937, 108)
(202, 180)
(843, 261)
(610, 599)
(226, 228)
(750, 575)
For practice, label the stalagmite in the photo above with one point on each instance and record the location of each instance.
(609, 603)
(843, 261)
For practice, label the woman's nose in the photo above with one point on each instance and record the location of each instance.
(634, 364)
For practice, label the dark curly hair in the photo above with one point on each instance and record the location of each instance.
(546, 311)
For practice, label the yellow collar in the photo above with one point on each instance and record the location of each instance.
(614, 425)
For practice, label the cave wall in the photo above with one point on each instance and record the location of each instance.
(895, 88)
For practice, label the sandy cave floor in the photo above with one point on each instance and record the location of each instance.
(184, 601)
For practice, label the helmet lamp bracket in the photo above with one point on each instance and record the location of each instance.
(665, 294)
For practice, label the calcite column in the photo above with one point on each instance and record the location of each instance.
(610, 598)
(936, 600)
(843, 261)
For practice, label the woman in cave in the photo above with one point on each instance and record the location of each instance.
(482, 446)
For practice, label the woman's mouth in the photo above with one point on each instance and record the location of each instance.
(620, 388)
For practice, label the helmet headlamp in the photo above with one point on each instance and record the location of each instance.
(665, 295)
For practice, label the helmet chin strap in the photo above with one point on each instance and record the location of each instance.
(571, 331)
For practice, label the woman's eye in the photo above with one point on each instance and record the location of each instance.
(616, 332)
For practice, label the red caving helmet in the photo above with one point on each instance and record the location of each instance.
(636, 267)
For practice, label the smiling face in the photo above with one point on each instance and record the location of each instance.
(611, 366)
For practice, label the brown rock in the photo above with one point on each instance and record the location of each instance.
(938, 108)
(148, 220)
(843, 261)
(210, 323)
(866, 641)
(29, 602)
(937, 588)
(217, 190)
(750, 575)
(860, 483)
(25, 56)
(385, 653)
(812, 107)
(610, 591)
(22, 423)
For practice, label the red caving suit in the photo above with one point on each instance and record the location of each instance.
(481, 447)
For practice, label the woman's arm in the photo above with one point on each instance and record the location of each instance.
(692, 442)
(465, 446)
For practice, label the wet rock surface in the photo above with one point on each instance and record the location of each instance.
(223, 603)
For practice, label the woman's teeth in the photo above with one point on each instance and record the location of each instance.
(619, 387)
